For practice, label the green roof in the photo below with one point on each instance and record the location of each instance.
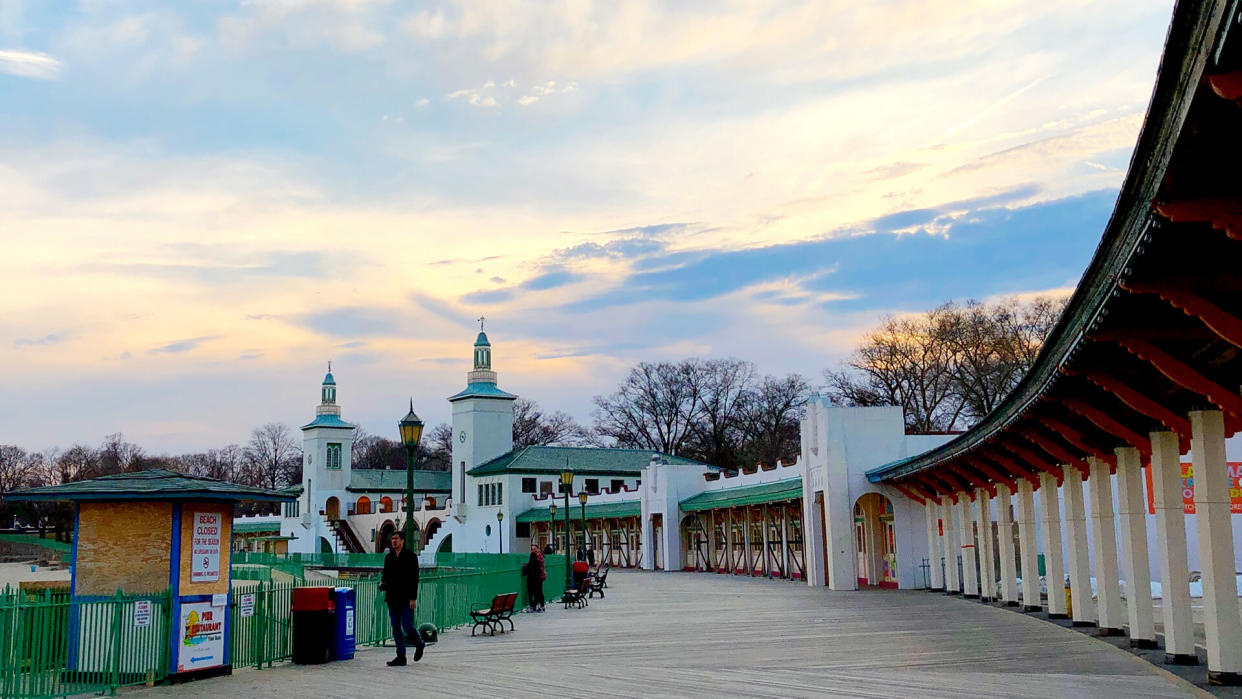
(482, 389)
(328, 421)
(745, 495)
(153, 484)
(586, 461)
(363, 480)
(629, 508)
(255, 527)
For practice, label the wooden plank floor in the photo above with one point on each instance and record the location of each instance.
(688, 634)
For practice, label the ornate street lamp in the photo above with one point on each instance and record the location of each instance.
(567, 479)
(411, 429)
(500, 517)
(582, 498)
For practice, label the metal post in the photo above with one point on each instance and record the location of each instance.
(568, 557)
(409, 494)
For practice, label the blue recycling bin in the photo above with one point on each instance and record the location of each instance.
(344, 631)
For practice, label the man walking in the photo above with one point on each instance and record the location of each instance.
(400, 585)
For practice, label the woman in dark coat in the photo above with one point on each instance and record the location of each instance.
(536, 573)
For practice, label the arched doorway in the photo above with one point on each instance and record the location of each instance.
(332, 508)
(364, 505)
(875, 542)
(385, 533)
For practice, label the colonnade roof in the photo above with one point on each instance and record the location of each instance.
(607, 510)
(1154, 329)
(757, 494)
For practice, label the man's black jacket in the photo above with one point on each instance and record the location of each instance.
(400, 578)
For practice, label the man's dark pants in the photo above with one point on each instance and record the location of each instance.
(402, 619)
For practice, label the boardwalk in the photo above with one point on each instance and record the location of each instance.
(700, 635)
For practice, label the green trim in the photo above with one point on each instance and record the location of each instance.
(253, 527)
(789, 489)
(607, 510)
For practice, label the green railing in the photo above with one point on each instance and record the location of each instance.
(52, 646)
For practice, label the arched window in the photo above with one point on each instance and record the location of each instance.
(385, 504)
(364, 505)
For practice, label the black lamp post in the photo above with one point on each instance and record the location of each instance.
(567, 480)
(411, 431)
(500, 518)
(582, 498)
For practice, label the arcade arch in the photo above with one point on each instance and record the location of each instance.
(875, 541)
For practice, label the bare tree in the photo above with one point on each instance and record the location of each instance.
(726, 389)
(226, 464)
(532, 427)
(772, 419)
(273, 458)
(118, 456)
(18, 469)
(948, 367)
(655, 407)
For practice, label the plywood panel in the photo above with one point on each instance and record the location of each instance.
(187, 538)
(123, 545)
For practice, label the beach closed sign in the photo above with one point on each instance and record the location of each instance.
(205, 551)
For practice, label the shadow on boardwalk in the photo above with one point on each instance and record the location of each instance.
(691, 634)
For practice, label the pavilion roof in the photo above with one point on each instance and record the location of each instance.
(152, 484)
(378, 480)
(1153, 329)
(588, 461)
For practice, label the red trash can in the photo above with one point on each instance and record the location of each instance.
(312, 624)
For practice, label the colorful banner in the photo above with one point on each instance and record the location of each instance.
(1188, 488)
(202, 636)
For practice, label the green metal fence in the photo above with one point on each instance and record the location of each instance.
(51, 645)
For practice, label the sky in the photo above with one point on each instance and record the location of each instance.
(201, 203)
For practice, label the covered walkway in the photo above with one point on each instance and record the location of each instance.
(668, 634)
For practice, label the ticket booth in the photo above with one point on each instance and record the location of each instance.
(164, 540)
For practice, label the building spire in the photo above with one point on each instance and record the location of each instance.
(327, 395)
(481, 319)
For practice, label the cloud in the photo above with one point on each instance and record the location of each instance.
(352, 322)
(487, 297)
(29, 64)
(39, 341)
(478, 96)
(1033, 244)
(550, 279)
(181, 346)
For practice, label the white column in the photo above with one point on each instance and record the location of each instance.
(1079, 556)
(1004, 534)
(983, 525)
(952, 548)
(1054, 562)
(1026, 547)
(934, 546)
(1104, 530)
(1135, 564)
(1221, 623)
(1166, 481)
(970, 583)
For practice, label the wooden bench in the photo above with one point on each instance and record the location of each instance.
(495, 614)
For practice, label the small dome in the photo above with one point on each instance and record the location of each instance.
(328, 380)
(481, 340)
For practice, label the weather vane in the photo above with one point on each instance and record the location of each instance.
(329, 366)
(481, 319)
